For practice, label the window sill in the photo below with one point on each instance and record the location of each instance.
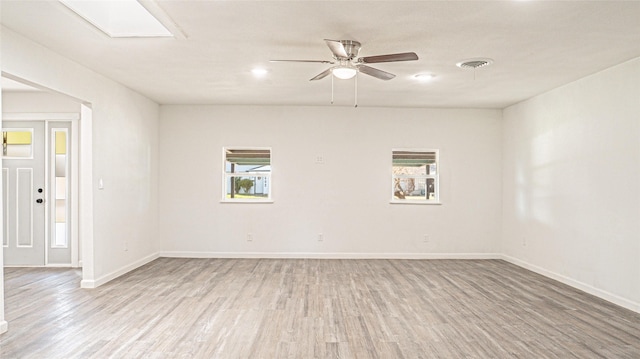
(262, 201)
(415, 202)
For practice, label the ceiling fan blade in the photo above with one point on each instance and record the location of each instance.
(405, 56)
(322, 75)
(316, 61)
(337, 48)
(382, 75)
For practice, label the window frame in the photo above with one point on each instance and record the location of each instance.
(435, 177)
(226, 176)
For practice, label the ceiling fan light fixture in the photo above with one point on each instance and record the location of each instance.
(344, 72)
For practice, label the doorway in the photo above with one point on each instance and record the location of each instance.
(39, 191)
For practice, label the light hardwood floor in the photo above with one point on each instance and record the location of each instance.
(304, 308)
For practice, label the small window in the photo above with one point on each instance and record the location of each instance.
(247, 175)
(59, 235)
(16, 143)
(415, 176)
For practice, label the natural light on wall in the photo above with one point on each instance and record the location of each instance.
(120, 18)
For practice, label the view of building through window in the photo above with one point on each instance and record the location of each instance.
(415, 175)
(247, 174)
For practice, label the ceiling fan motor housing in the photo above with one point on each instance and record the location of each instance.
(351, 47)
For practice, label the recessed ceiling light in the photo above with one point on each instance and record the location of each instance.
(259, 72)
(424, 77)
(122, 18)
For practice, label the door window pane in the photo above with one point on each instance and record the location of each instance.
(59, 233)
(17, 143)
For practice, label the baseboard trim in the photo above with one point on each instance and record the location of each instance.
(602, 294)
(58, 265)
(4, 326)
(48, 265)
(334, 255)
(22, 266)
(95, 283)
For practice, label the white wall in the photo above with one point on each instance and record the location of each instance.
(38, 102)
(122, 151)
(572, 184)
(346, 198)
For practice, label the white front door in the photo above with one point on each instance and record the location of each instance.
(23, 179)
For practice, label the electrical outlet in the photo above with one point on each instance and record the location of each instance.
(320, 237)
(249, 237)
(319, 160)
(425, 239)
(524, 241)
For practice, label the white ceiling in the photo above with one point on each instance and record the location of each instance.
(536, 45)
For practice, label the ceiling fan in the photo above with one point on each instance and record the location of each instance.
(347, 63)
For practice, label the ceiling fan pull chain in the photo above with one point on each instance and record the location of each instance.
(356, 90)
(332, 89)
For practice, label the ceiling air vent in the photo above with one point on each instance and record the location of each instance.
(474, 63)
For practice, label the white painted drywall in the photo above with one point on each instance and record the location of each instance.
(346, 198)
(38, 102)
(571, 164)
(124, 154)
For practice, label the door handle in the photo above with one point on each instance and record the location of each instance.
(39, 200)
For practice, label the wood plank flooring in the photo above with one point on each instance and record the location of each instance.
(308, 308)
